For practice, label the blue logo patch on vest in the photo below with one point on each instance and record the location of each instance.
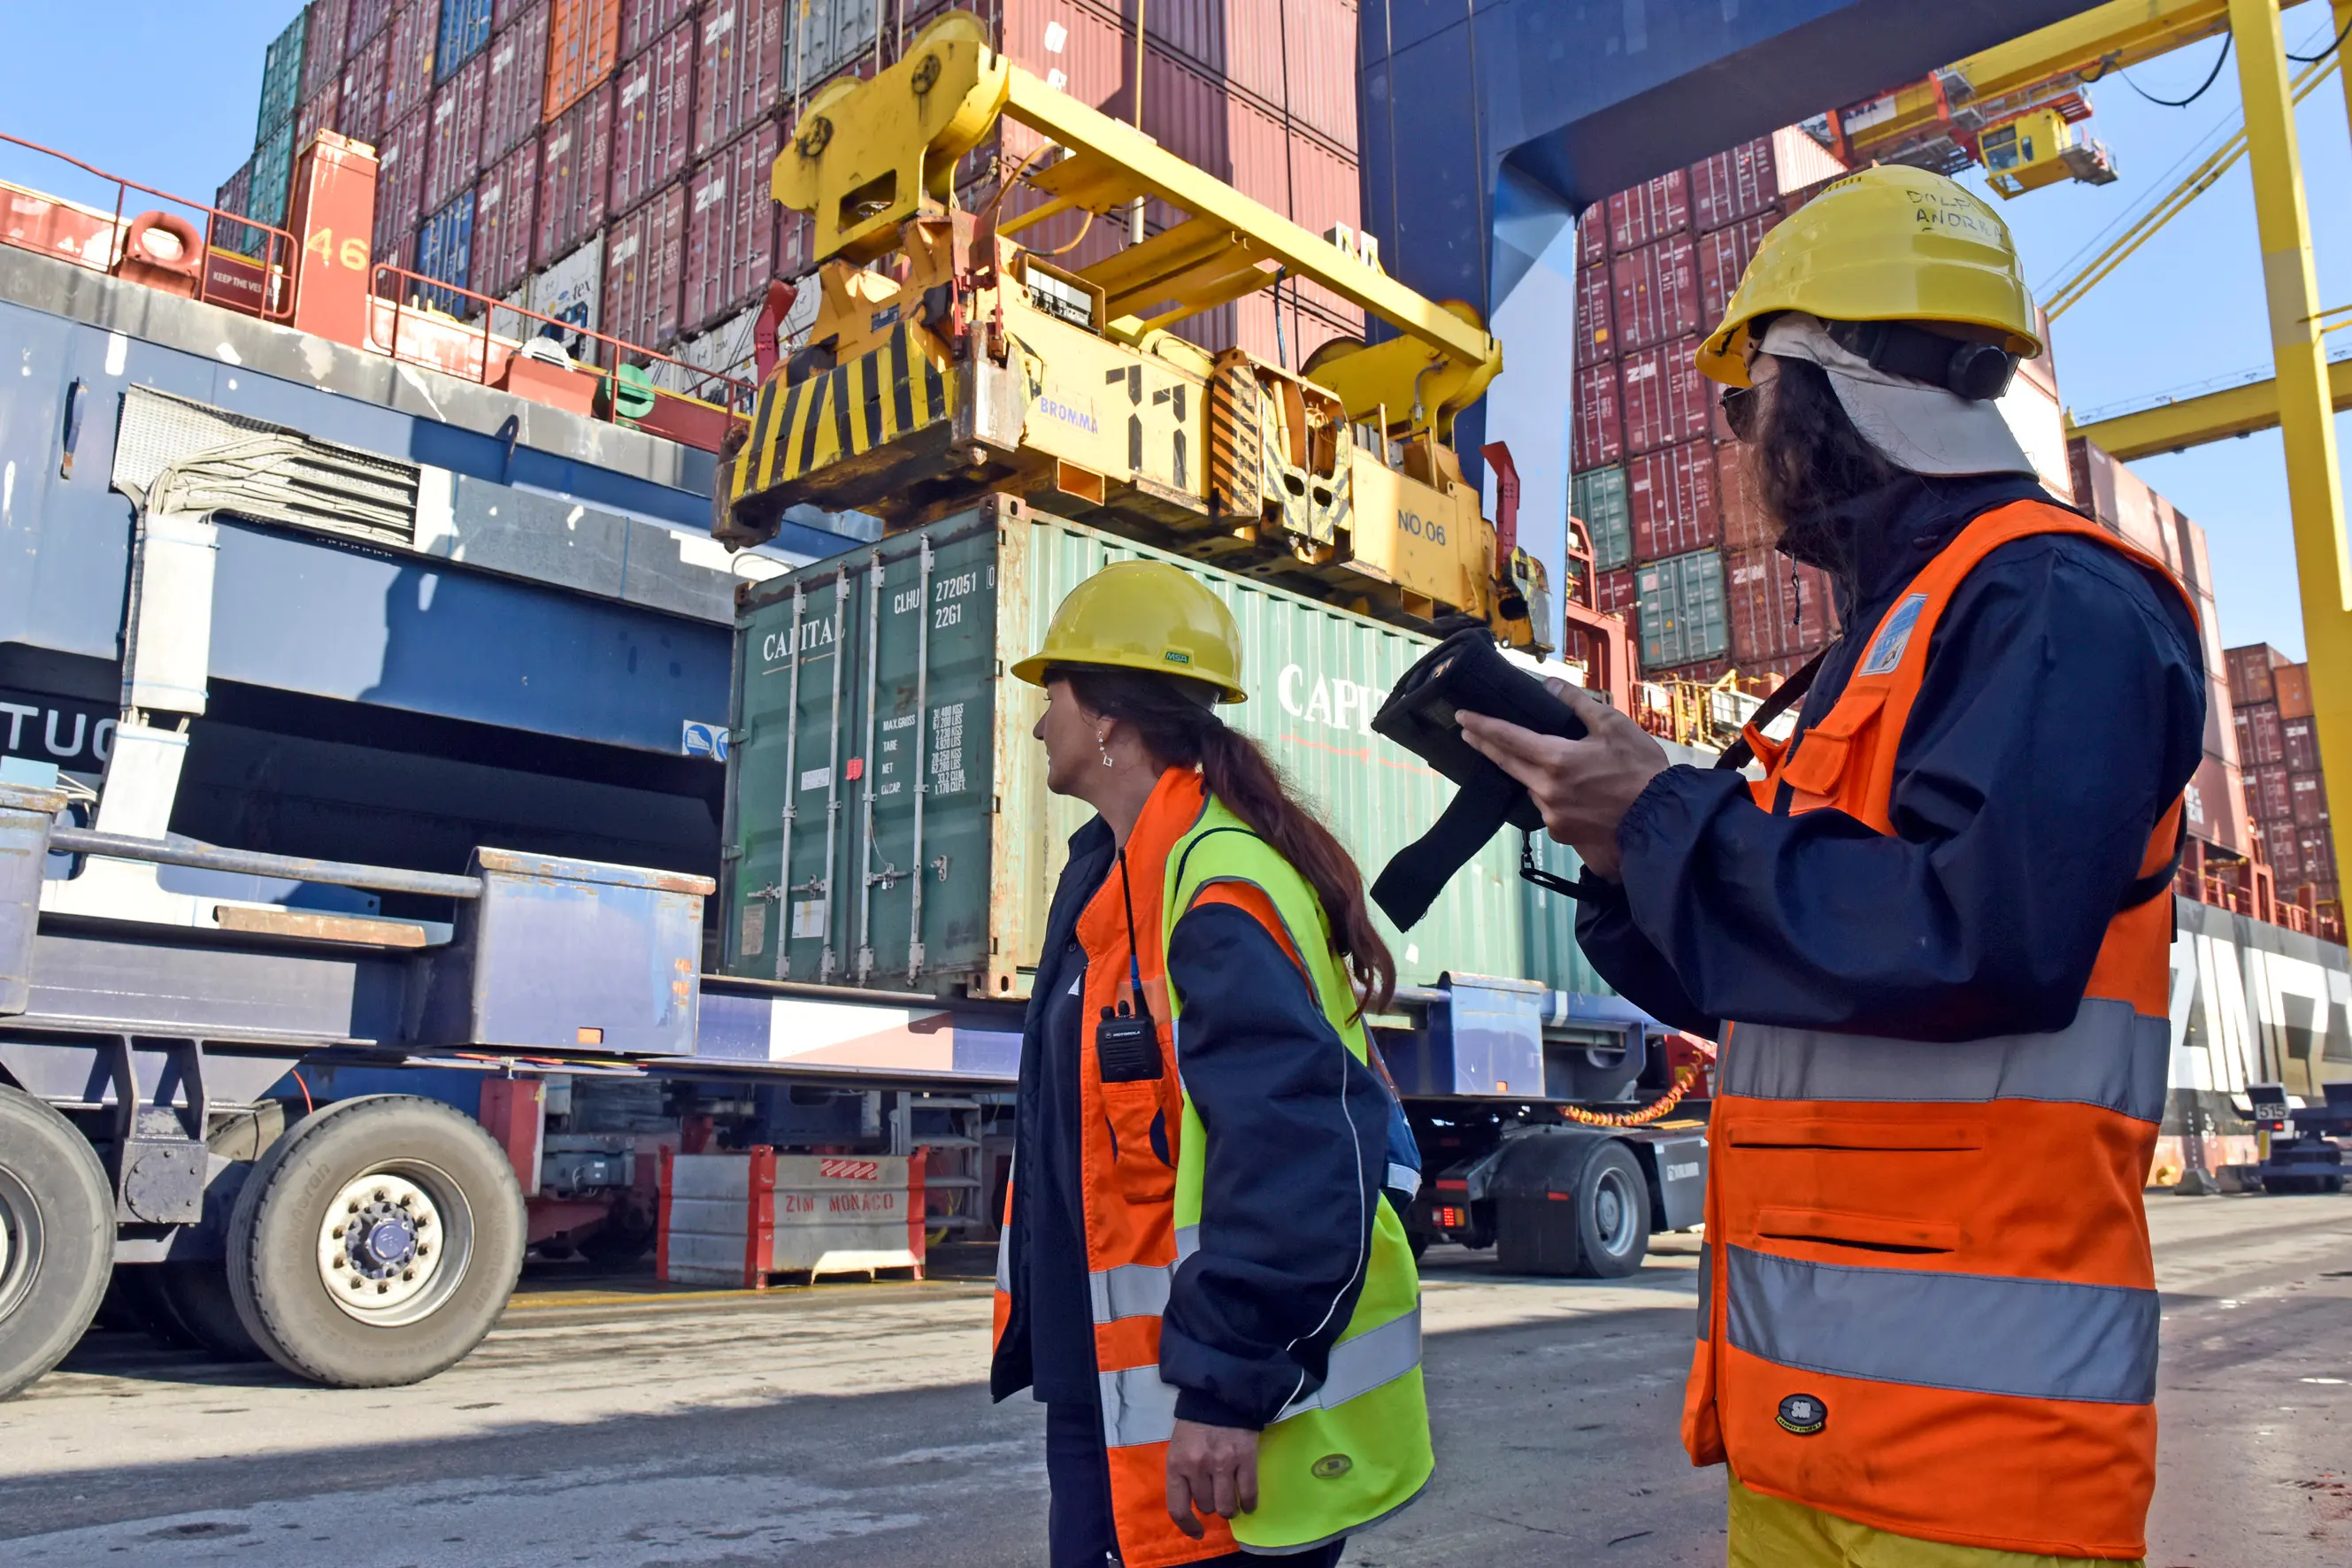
(1803, 1413)
(1888, 648)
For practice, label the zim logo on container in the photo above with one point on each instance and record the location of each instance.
(1804, 1414)
(849, 1170)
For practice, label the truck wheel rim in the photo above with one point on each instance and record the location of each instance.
(1612, 1213)
(20, 1242)
(395, 1243)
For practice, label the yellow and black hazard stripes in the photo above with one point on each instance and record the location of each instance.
(845, 412)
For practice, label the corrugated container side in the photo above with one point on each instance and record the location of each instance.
(2250, 674)
(517, 77)
(281, 78)
(444, 250)
(829, 37)
(1671, 495)
(1619, 594)
(575, 170)
(1598, 436)
(453, 151)
(1325, 188)
(1746, 525)
(320, 111)
(1656, 293)
(465, 31)
(1800, 164)
(731, 237)
(1592, 235)
(645, 264)
(2291, 681)
(2273, 803)
(235, 195)
(506, 222)
(1664, 398)
(1598, 498)
(1649, 211)
(643, 22)
(1778, 608)
(652, 119)
(1722, 257)
(369, 19)
(1683, 614)
(2300, 740)
(400, 181)
(273, 177)
(1319, 44)
(573, 290)
(1735, 183)
(1553, 954)
(1239, 40)
(1596, 317)
(2316, 852)
(326, 44)
(582, 46)
(504, 14)
(2309, 794)
(738, 66)
(408, 64)
(363, 95)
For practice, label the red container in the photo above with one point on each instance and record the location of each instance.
(644, 257)
(2292, 682)
(1319, 42)
(2265, 735)
(319, 112)
(1592, 235)
(1326, 189)
(1656, 290)
(575, 166)
(400, 182)
(1736, 184)
(1778, 609)
(1722, 257)
(506, 222)
(453, 156)
(652, 119)
(2270, 799)
(1598, 434)
(731, 230)
(583, 40)
(738, 68)
(1671, 495)
(1651, 210)
(643, 23)
(2250, 674)
(362, 108)
(1664, 397)
(366, 22)
(2316, 849)
(517, 77)
(235, 196)
(1239, 41)
(1596, 314)
(325, 45)
(2308, 791)
(408, 62)
(1746, 524)
(2300, 739)
(1617, 593)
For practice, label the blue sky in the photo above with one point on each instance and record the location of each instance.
(164, 93)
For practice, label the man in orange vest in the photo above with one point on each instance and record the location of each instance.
(1933, 937)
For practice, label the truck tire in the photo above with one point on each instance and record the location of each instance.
(1612, 1214)
(57, 1238)
(194, 1291)
(377, 1243)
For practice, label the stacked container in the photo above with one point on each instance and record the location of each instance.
(2286, 790)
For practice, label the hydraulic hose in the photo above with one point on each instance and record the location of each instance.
(1656, 1109)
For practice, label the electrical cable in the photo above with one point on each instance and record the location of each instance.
(2333, 44)
(2210, 78)
(1684, 1080)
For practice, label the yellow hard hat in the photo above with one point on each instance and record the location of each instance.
(1884, 244)
(1144, 615)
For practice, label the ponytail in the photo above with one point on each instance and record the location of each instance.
(1174, 717)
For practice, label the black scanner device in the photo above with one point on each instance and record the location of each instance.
(1466, 673)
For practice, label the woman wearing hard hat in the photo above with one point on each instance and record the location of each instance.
(1199, 1276)
(1940, 920)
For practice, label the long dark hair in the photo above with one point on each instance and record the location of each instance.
(1808, 460)
(1175, 717)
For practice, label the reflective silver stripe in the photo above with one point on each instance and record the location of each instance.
(1706, 1288)
(2110, 1056)
(1188, 1241)
(2036, 1339)
(1136, 1408)
(1373, 1359)
(1404, 1179)
(1004, 1260)
(1131, 1290)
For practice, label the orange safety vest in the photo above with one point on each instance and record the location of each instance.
(1926, 1301)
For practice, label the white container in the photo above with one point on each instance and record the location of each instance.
(573, 290)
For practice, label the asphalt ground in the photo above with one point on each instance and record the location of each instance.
(609, 1424)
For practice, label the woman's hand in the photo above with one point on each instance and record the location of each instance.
(1214, 1468)
(1584, 788)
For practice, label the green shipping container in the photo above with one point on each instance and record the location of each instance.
(861, 677)
(1598, 497)
(281, 78)
(1684, 618)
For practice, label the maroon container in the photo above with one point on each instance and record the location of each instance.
(652, 119)
(517, 78)
(400, 182)
(506, 222)
(1617, 593)
(2316, 849)
(2301, 744)
(1672, 497)
(233, 197)
(1723, 257)
(731, 230)
(1739, 183)
(576, 164)
(2250, 673)
(361, 105)
(1318, 46)
(1596, 314)
(2308, 793)
(1237, 41)
(1598, 435)
(319, 112)
(1651, 210)
(1656, 290)
(644, 259)
(643, 23)
(326, 44)
(739, 67)
(366, 22)
(1778, 609)
(1664, 397)
(1746, 524)
(408, 63)
(1592, 235)
(2271, 800)
(1325, 188)
(453, 156)
(2266, 733)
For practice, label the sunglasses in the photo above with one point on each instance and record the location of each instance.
(1740, 407)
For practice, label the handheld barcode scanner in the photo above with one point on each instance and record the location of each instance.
(1465, 673)
(1127, 1039)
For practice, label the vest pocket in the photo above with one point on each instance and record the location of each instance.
(1139, 1141)
(1877, 1233)
(1825, 753)
(1840, 1133)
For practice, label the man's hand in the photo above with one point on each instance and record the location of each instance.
(1582, 787)
(1214, 1468)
